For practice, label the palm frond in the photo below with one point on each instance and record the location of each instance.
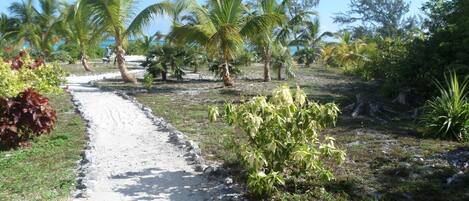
(147, 14)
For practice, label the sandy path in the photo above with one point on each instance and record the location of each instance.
(129, 157)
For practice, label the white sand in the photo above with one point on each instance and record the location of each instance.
(129, 157)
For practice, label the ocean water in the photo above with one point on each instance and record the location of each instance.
(111, 42)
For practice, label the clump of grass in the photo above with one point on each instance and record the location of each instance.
(447, 115)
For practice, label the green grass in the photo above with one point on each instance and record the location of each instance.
(382, 159)
(47, 170)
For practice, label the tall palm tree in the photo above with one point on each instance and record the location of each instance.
(48, 19)
(222, 25)
(113, 15)
(26, 28)
(80, 29)
(264, 39)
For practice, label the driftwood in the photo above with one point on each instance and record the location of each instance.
(365, 107)
(407, 97)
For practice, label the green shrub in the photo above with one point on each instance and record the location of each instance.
(72, 50)
(29, 74)
(148, 80)
(62, 56)
(284, 141)
(447, 116)
(24, 112)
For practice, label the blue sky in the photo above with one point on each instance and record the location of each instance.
(327, 9)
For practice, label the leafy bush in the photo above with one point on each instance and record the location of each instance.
(164, 59)
(24, 113)
(62, 56)
(27, 115)
(24, 73)
(72, 50)
(284, 141)
(148, 80)
(245, 58)
(447, 116)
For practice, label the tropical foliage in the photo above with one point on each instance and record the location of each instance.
(284, 138)
(221, 27)
(25, 113)
(447, 115)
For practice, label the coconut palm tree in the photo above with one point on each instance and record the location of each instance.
(113, 15)
(221, 28)
(264, 39)
(48, 21)
(25, 24)
(79, 28)
(310, 39)
(282, 59)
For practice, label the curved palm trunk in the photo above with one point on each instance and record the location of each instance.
(84, 62)
(267, 60)
(227, 80)
(126, 76)
(84, 58)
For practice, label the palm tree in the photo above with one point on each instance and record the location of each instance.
(164, 58)
(282, 59)
(353, 53)
(113, 15)
(264, 39)
(145, 42)
(297, 21)
(25, 27)
(311, 40)
(48, 21)
(80, 29)
(221, 28)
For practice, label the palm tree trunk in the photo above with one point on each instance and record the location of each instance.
(126, 76)
(164, 75)
(267, 59)
(227, 80)
(164, 72)
(84, 62)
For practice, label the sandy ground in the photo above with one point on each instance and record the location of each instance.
(129, 158)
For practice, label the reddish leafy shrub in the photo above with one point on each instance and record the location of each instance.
(25, 116)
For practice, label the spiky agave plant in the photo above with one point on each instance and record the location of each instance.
(447, 115)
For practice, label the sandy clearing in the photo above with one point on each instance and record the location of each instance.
(129, 158)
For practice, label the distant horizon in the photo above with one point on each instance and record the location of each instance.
(326, 9)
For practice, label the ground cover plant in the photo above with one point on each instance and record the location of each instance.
(24, 112)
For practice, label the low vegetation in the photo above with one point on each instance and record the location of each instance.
(24, 113)
(391, 160)
(46, 169)
(283, 139)
(409, 157)
(447, 115)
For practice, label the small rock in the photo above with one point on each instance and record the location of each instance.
(209, 170)
(405, 165)
(199, 168)
(228, 181)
